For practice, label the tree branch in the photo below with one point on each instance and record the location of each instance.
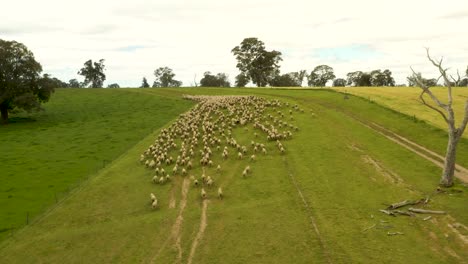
(425, 88)
(421, 96)
(443, 72)
(464, 122)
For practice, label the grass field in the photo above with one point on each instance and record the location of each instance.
(406, 100)
(48, 153)
(318, 203)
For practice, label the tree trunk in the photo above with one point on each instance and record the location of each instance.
(450, 157)
(4, 113)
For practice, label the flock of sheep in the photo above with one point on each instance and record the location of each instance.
(206, 131)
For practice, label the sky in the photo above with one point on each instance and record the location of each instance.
(135, 37)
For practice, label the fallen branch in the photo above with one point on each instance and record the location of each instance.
(394, 233)
(370, 227)
(403, 213)
(427, 218)
(403, 203)
(388, 212)
(422, 211)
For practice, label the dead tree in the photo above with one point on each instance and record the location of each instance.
(446, 111)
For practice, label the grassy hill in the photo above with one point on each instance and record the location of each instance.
(406, 100)
(46, 154)
(319, 202)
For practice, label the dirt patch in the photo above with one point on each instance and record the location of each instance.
(201, 231)
(177, 226)
(172, 200)
(388, 175)
(438, 160)
(355, 147)
(455, 228)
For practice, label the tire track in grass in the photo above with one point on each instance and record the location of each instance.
(309, 212)
(177, 226)
(201, 231)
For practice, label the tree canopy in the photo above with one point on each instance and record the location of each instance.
(113, 85)
(241, 80)
(93, 73)
(320, 75)
(144, 83)
(292, 79)
(165, 78)
(218, 80)
(339, 82)
(255, 62)
(21, 85)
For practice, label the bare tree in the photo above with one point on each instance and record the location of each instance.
(446, 111)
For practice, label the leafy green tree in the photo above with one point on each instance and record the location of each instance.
(415, 78)
(298, 77)
(74, 83)
(21, 85)
(114, 85)
(358, 78)
(144, 83)
(255, 62)
(291, 79)
(339, 82)
(93, 73)
(210, 80)
(321, 75)
(379, 78)
(241, 80)
(165, 78)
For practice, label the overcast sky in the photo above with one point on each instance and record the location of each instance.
(135, 37)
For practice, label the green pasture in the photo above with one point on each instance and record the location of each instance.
(317, 203)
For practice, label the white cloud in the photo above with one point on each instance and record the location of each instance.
(192, 37)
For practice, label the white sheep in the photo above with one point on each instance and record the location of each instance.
(153, 197)
(155, 179)
(239, 155)
(252, 158)
(195, 182)
(244, 174)
(154, 205)
(203, 193)
(218, 169)
(220, 193)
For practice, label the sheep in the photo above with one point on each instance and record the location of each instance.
(209, 182)
(175, 170)
(195, 182)
(168, 177)
(142, 158)
(203, 193)
(156, 171)
(244, 174)
(264, 151)
(210, 163)
(239, 155)
(155, 179)
(154, 204)
(252, 158)
(163, 172)
(184, 171)
(147, 163)
(161, 180)
(153, 197)
(218, 169)
(247, 169)
(220, 193)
